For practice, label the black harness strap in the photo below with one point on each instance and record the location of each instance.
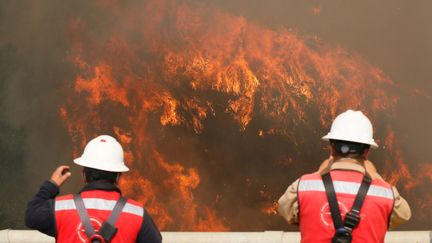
(118, 208)
(352, 218)
(85, 219)
(333, 203)
(108, 230)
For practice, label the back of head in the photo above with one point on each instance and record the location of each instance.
(93, 175)
(349, 149)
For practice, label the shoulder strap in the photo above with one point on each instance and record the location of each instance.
(361, 195)
(352, 218)
(118, 208)
(108, 229)
(333, 203)
(79, 203)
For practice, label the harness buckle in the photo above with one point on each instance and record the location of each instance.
(344, 231)
(96, 238)
(352, 219)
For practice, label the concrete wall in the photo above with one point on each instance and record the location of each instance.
(30, 236)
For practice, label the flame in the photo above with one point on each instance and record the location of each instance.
(271, 208)
(166, 67)
(403, 173)
(424, 182)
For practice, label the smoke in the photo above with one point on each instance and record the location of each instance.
(32, 70)
(245, 158)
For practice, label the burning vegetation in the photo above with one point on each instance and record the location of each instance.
(218, 115)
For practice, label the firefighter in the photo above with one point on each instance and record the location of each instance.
(322, 203)
(98, 213)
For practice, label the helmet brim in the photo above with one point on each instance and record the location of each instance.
(112, 168)
(355, 140)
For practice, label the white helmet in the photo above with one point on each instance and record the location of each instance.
(103, 153)
(352, 126)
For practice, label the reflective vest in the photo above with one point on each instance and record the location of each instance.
(316, 224)
(99, 205)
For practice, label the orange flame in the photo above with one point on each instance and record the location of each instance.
(164, 65)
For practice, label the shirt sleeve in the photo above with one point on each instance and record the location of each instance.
(288, 204)
(40, 210)
(401, 210)
(149, 232)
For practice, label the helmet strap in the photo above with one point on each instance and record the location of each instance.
(335, 153)
(118, 178)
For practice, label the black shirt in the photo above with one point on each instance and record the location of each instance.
(40, 212)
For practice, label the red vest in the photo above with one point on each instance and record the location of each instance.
(99, 205)
(316, 224)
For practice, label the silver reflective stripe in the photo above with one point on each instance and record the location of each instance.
(129, 208)
(345, 187)
(380, 191)
(100, 204)
(64, 205)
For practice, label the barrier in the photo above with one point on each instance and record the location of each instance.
(32, 236)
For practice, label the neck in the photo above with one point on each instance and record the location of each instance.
(356, 160)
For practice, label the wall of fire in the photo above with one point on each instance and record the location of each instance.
(220, 104)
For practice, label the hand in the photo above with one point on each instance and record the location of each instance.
(325, 165)
(60, 175)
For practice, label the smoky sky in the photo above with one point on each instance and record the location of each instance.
(394, 36)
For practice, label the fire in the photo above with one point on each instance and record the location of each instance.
(102, 84)
(271, 209)
(163, 69)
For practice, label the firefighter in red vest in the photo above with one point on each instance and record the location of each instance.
(98, 213)
(307, 201)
